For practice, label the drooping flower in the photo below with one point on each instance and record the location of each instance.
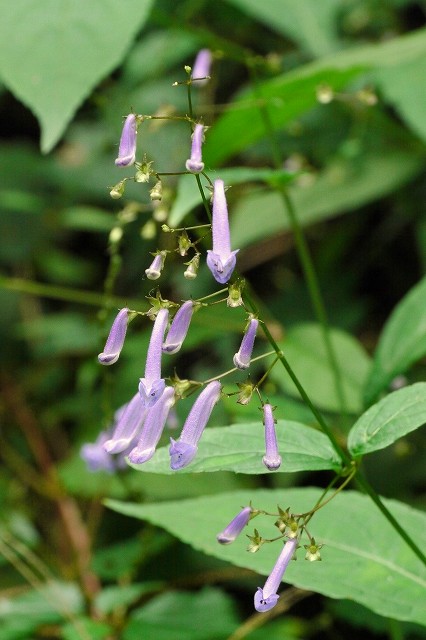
(115, 340)
(152, 428)
(152, 385)
(183, 450)
(95, 456)
(201, 67)
(243, 355)
(271, 459)
(195, 163)
(267, 598)
(221, 260)
(154, 270)
(179, 328)
(128, 425)
(234, 528)
(127, 148)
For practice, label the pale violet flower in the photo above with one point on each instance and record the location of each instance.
(234, 528)
(195, 163)
(271, 459)
(115, 340)
(201, 67)
(243, 355)
(179, 328)
(129, 422)
(152, 385)
(221, 260)
(127, 148)
(95, 456)
(267, 598)
(183, 450)
(152, 428)
(154, 270)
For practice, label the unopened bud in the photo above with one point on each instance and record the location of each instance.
(160, 211)
(115, 235)
(118, 190)
(156, 192)
(192, 269)
(325, 94)
(154, 270)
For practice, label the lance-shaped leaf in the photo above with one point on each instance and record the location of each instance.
(393, 417)
(363, 559)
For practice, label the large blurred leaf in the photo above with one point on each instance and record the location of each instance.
(52, 54)
(240, 448)
(402, 342)
(310, 23)
(292, 94)
(207, 615)
(342, 186)
(363, 558)
(304, 348)
(399, 413)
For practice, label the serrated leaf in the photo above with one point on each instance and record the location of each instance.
(240, 448)
(291, 94)
(363, 557)
(63, 51)
(402, 342)
(305, 350)
(382, 424)
(310, 23)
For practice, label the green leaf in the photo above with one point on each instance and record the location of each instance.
(207, 615)
(305, 350)
(291, 94)
(124, 595)
(93, 629)
(402, 342)
(240, 448)
(341, 187)
(188, 195)
(382, 424)
(310, 23)
(52, 54)
(363, 558)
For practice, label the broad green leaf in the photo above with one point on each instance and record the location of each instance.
(63, 51)
(402, 342)
(240, 448)
(310, 23)
(207, 615)
(292, 94)
(93, 629)
(363, 557)
(123, 595)
(396, 415)
(341, 187)
(305, 350)
(188, 195)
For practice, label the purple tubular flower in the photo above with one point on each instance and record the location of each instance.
(129, 422)
(221, 260)
(195, 163)
(179, 328)
(152, 385)
(153, 428)
(183, 451)
(127, 148)
(267, 598)
(154, 270)
(271, 459)
(201, 67)
(95, 456)
(243, 355)
(234, 528)
(115, 340)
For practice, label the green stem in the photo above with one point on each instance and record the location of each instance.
(301, 247)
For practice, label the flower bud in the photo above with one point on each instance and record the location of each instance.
(271, 459)
(234, 294)
(154, 270)
(127, 149)
(195, 164)
(234, 528)
(192, 270)
(184, 243)
(115, 340)
(243, 356)
(117, 190)
(156, 192)
(201, 67)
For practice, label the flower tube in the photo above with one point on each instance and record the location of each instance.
(267, 598)
(152, 385)
(195, 163)
(221, 260)
(179, 328)
(234, 528)
(183, 450)
(127, 148)
(201, 67)
(129, 422)
(152, 428)
(271, 459)
(243, 355)
(115, 340)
